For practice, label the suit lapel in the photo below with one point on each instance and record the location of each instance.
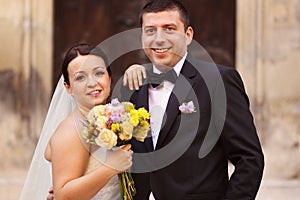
(142, 101)
(183, 85)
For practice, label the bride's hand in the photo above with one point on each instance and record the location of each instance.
(134, 75)
(50, 194)
(121, 159)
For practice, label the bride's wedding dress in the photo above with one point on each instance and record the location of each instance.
(111, 191)
(38, 180)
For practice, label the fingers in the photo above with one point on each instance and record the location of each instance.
(129, 162)
(137, 78)
(50, 190)
(133, 76)
(128, 79)
(120, 160)
(127, 153)
(144, 72)
(125, 80)
(50, 194)
(126, 147)
(50, 197)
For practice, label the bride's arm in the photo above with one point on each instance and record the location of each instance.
(69, 162)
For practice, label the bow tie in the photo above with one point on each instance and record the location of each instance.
(157, 79)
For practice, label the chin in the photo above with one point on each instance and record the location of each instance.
(96, 102)
(161, 62)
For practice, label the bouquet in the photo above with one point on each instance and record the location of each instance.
(114, 125)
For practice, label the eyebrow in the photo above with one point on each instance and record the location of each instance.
(100, 66)
(171, 24)
(164, 25)
(94, 69)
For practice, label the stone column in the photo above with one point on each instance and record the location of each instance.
(249, 55)
(268, 52)
(25, 76)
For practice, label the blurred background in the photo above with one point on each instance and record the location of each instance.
(260, 38)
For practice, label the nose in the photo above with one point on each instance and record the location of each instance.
(92, 81)
(160, 36)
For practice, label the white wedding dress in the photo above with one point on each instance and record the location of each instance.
(111, 191)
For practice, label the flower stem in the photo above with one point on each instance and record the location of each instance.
(127, 186)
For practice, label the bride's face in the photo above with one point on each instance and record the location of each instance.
(89, 81)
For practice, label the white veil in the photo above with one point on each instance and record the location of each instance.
(38, 180)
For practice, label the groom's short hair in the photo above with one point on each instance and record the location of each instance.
(166, 5)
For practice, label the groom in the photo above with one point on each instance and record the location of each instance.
(200, 118)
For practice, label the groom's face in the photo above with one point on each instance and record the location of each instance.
(164, 37)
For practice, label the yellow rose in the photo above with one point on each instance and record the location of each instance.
(126, 131)
(106, 139)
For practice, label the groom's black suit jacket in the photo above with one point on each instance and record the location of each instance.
(222, 119)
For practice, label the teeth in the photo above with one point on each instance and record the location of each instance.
(161, 50)
(94, 92)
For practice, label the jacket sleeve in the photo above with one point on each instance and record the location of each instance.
(240, 140)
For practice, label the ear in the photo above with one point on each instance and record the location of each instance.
(68, 88)
(189, 35)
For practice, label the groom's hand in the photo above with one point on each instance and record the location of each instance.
(50, 194)
(133, 76)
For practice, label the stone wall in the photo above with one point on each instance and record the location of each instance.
(25, 77)
(268, 52)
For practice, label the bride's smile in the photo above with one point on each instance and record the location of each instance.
(89, 81)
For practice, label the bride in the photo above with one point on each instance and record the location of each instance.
(76, 172)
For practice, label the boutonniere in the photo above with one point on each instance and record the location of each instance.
(187, 108)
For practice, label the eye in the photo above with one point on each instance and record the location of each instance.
(170, 29)
(79, 78)
(99, 73)
(149, 30)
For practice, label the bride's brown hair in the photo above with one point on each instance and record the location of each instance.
(82, 49)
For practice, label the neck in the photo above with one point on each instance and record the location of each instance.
(81, 112)
(163, 68)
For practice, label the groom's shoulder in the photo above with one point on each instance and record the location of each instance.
(209, 66)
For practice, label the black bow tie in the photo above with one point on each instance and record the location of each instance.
(157, 79)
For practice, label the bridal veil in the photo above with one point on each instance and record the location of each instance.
(38, 180)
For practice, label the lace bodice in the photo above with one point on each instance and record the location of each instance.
(111, 191)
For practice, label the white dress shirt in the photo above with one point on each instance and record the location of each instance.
(158, 100)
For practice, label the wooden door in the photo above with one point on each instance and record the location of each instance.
(93, 21)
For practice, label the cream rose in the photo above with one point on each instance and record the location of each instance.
(101, 122)
(99, 110)
(140, 133)
(126, 131)
(106, 139)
